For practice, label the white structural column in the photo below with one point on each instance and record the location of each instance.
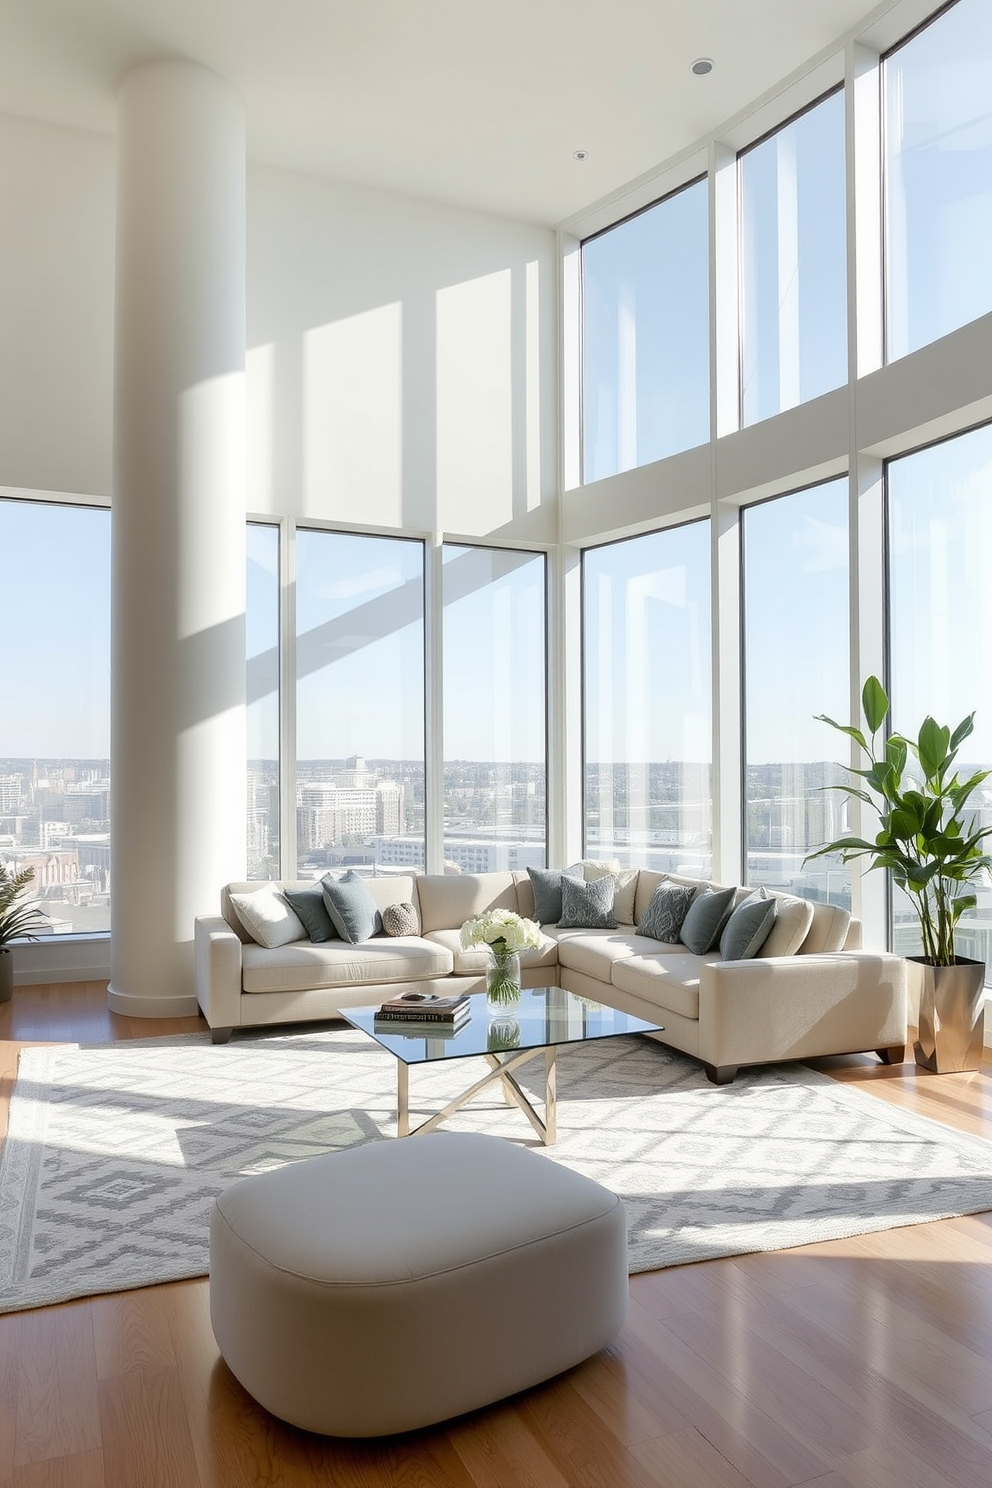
(178, 566)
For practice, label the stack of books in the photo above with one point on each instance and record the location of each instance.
(426, 1014)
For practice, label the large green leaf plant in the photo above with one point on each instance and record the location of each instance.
(19, 918)
(927, 840)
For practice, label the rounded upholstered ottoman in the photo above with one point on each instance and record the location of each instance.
(389, 1286)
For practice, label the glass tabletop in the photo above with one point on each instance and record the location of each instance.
(541, 1017)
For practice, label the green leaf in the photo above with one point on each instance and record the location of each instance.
(875, 704)
(932, 747)
(896, 750)
(963, 903)
(964, 728)
(843, 728)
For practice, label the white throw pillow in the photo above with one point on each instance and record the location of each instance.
(268, 918)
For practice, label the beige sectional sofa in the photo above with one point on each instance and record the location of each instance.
(810, 991)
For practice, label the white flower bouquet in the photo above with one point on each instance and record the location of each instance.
(505, 932)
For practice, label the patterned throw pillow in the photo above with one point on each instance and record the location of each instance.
(748, 927)
(400, 919)
(665, 914)
(588, 906)
(708, 913)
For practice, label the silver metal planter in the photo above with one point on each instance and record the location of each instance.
(952, 1015)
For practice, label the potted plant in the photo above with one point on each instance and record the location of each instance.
(19, 920)
(930, 844)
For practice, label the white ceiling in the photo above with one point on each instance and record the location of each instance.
(476, 102)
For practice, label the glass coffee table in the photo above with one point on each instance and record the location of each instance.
(508, 1037)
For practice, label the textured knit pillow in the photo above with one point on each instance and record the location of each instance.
(748, 927)
(400, 919)
(353, 911)
(666, 912)
(626, 887)
(546, 883)
(588, 906)
(708, 913)
(267, 917)
(309, 905)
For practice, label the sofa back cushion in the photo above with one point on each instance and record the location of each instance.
(790, 928)
(828, 931)
(447, 900)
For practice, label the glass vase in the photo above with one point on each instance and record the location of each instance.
(503, 977)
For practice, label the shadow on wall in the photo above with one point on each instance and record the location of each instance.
(401, 362)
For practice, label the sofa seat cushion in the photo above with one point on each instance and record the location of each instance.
(302, 965)
(595, 951)
(667, 979)
(476, 960)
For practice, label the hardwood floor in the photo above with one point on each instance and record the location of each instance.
(862, 1363)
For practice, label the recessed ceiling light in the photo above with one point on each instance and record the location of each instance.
(702, 66)
(581, 154)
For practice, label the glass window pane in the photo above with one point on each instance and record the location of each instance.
(262, 650)
(938, 175)
(645, 336)
(494, 709)
(794, 263)
(648, 745)
(796, 665)
(55, 718)
(940, 536)
(360, 703)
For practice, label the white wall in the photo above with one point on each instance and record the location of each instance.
(56, 307)
(401, 354)
(401, 362)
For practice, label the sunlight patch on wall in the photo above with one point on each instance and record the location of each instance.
(475, 404)
(353, 418)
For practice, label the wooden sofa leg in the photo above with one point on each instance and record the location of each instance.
(220, 1035)
(721, 1074)
(894, 1054)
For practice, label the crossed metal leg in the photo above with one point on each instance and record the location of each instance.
(503, 1068)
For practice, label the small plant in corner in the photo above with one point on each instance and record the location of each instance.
(928, 839)
(19, 918)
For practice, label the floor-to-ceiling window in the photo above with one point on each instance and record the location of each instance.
(262, 655)
(796, 640)
(793, 262)
(494, 683)
(940, 538)
(359, 702)
(938, 177)
(55, 713)
(645, 336)
(647, 671)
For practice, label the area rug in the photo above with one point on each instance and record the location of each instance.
(115, 1151)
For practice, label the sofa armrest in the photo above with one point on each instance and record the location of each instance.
(799, 1007)
(217, 971)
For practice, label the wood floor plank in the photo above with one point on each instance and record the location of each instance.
(685, 1459)
(146, 1441)
(81, 1470)
(131, 1330)
(57, 1410)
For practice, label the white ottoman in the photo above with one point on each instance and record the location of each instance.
(389, 1286)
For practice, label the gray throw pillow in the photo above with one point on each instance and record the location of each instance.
(352, 909)
(665, 914)
(546, 883)
(748, 927)
(400, 919)
(588, 906)
(708, 913)
(310, 907)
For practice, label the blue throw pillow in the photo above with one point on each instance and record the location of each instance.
(588, 906)
(546, 883)
(310, 908)
(351, 907)
(708, 913)
(665, 915)
(748, 927)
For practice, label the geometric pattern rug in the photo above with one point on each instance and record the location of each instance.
(115, 1152)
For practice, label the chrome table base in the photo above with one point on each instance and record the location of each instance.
(502, 1069)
